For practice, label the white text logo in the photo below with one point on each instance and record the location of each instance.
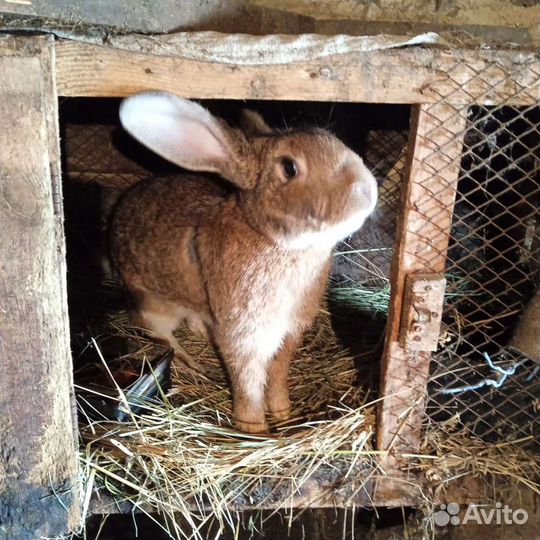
(449, 514)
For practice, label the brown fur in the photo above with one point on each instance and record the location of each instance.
(246, 269)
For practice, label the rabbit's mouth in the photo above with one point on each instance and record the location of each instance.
(326, 236)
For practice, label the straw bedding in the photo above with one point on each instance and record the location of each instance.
(181, 454)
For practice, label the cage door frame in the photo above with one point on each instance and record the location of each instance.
(422, 236)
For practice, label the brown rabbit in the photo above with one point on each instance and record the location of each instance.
(246, 268)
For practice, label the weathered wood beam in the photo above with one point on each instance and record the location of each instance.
(38, 459)
(423, 233)
(405, 75)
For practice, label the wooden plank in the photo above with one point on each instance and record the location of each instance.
(406, 75)
(423, 230)
(38, 460)
(315, 493)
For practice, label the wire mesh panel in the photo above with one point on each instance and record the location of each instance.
(92, 155)
(492, 273)
(469, 215)
(493, 260)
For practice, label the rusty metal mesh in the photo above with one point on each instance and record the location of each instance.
(492, 264)
(492, 271)
(93, 153)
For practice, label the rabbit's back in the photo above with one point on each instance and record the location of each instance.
(153, 236)
(186, 199)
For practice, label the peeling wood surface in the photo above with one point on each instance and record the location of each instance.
(423, 300)
(423, 232)
(38, 460)
(408, 75)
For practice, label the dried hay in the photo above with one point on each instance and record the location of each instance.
(181, 455)
(450, 452)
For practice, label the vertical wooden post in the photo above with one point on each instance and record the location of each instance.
(423, 230)
(38, 460)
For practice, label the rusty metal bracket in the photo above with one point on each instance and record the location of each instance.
(421, 311)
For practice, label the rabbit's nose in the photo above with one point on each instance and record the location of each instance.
(369, 186)
(365, 184)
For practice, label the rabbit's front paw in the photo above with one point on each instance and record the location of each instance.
(251, 427)
(279, 405)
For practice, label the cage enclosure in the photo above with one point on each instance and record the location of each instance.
(412, 388)
(334, 375)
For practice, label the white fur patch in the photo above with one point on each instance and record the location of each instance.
(266, 336)
(272, 316)
(164, 324)
(327, 237)
(160, 324)
(262, 340)
(254, 380)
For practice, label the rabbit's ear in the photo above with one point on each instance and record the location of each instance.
(186, 134)
(253, 124)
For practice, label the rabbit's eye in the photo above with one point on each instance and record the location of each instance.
(289, 166)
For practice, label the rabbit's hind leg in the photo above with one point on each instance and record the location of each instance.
(198, 326)
(159, 319)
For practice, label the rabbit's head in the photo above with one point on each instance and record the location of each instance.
(299, 188)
